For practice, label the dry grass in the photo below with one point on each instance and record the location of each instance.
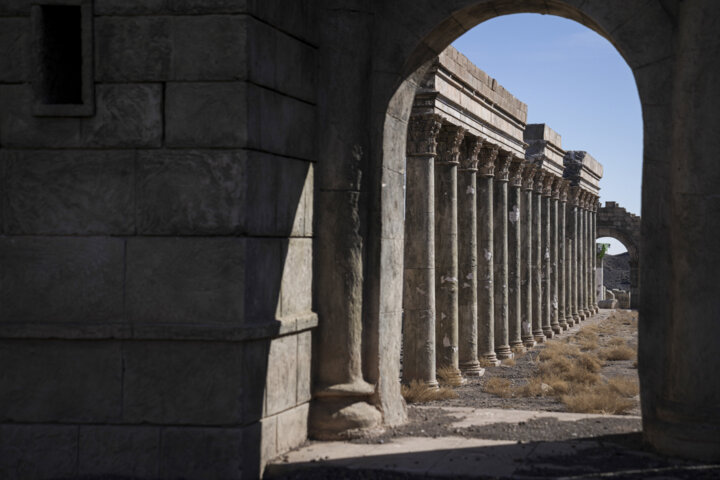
(621, 352)
(625, 386)
(499, 386)
(509, 362)
(449, 377)
(420, 392)
(601, 399)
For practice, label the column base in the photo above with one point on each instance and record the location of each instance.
(339, 418)
(557, 329)
(504, 352)
(564, 324)
(588, 314)
(548, 332)
(489, 360)
(529, 342)
(454, 377)
(570, 321)
(539, 336)
(580, 317)
(472, 369)
(517, 347)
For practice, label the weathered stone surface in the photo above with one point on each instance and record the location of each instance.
(14, 49)
(60, 381)
(254, 375)
(195, 383)
(206, 114)
(304, 364)
(50, 280)
(292, 427)
(187, 7)
(280, 124)
(191, 192)
(609, 303)
(202, 453)
(69, 192)
(264, 269)
(118, 41)
(30, 452)
(126, 115)
(185, 280)
(296, 285)
(119, 450)
(282, 379)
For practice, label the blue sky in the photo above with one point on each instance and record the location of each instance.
(575, 81)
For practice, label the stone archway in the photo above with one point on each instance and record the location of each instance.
(389, 43)
(614, 221)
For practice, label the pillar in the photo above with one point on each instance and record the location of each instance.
(500, 256)
(486, 291)
(593, 239)
(419, 273)
(446, 248)
(554, 263)
(546, 257)
(574, 263)
(467, 258)
(586, 256)
(515, 193)
(580, 242)
(537, 312)
(562, 249)
(526, 219)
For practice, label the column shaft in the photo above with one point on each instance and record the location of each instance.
(486, 291)
(526, 219)
(580, 241)
(515, 256)
(419, 273)
(446, 249)
(537, 313)
(467, 258)
(574, 257)
(500, 257)
(562, 267)
(546, 259)
(554, 264)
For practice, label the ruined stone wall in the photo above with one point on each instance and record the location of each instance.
(155, 247)
(615, 221)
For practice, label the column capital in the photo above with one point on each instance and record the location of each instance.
(574, 196)
(422, 135)
(502, 166)
(539, 179)
(488, 154)
(528, 175)
(564, 187)
(469, 151)
(556, 187)
(448, 144)
(548, 182)
(517, 166)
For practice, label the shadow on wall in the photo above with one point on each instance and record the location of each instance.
(174, 343)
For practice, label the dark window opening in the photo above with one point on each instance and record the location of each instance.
(61, 55)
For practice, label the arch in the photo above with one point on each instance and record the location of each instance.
(403, 35)
(614, 221)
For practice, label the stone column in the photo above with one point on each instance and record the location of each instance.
(546, 257)
(580, 243)
(574, 254)
(586, 255)
(593, 239)
(419, 274)
(537, 313)
(486, 291)
(446, 249)
(562, 249)
(467, 257)
(526, 218)
(554, 261)
(500, 255)
(515, 255)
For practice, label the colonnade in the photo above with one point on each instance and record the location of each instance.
(499, 252)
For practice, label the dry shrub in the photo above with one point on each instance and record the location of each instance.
(531, 389)
(499, 386)
(589, 362)
(555, 350)
(625, 386)
(448, 376)
(420, 392)
(558, 386)
(602, 399)
(618, 353)
(617, 342)
(509, 362)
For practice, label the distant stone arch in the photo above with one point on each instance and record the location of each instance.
(616, 222)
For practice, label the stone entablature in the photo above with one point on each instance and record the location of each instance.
(465, 96)
(545, 148)
(583, 170)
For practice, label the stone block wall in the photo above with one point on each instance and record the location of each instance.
(155, 289)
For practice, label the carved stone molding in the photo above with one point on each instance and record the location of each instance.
(422, 135)
(573, 195)
(488, 154)
(448, 144)
(517, 166)
(502, 166)
(556, 187)
(540, 175)
(564, 187)
(528, 175)
(469, 151)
